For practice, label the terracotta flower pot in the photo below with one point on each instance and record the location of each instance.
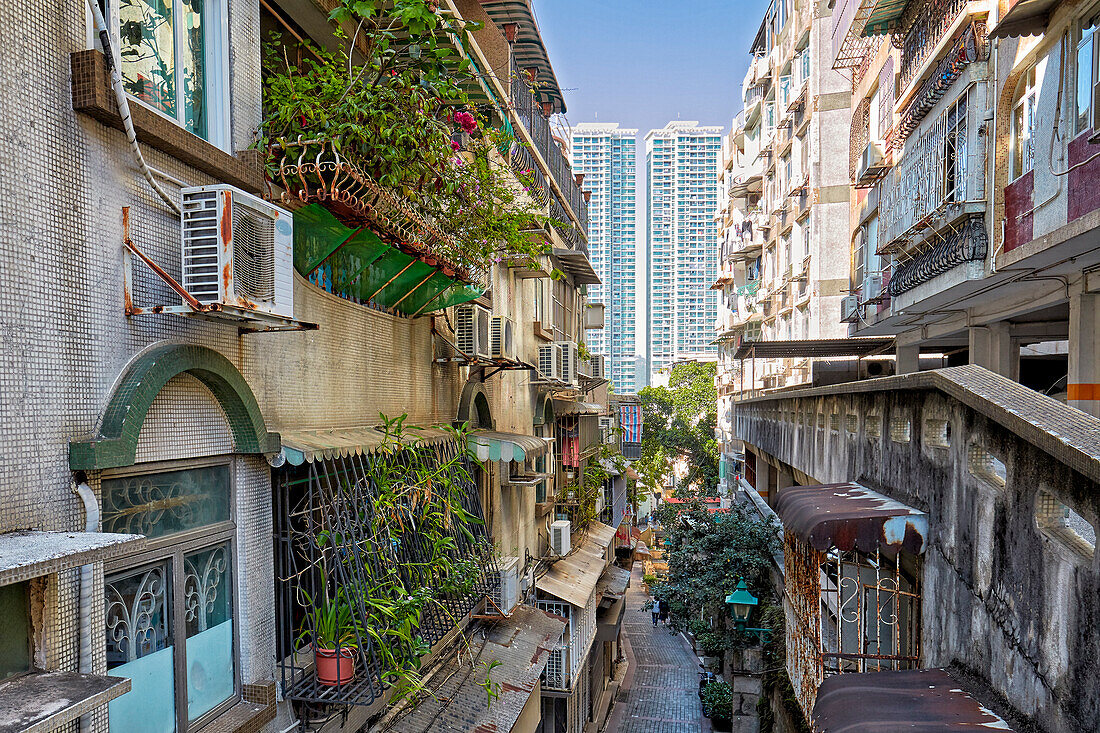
(333, 669)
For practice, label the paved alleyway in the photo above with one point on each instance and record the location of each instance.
(660, 691)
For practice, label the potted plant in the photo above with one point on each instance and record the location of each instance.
(718, 704)
(334, 637)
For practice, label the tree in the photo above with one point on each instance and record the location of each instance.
(678, 425)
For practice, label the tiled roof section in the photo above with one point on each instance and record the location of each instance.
(1066, 433)
(521, 644)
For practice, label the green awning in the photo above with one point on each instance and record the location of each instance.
(356, 264)
(883, 17)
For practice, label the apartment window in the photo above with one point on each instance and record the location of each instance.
(955, 150)
(174, 60)
(1087, 65)
(1023, 125)
(875, 132)
(170, 611)
(867, 261)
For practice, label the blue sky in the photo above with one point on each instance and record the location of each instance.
(646, 62)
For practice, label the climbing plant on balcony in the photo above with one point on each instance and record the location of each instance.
(392, 106)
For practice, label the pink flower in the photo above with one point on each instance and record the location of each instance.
(466, 121)
(455, 146)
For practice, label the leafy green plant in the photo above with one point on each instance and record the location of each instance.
(393, 104)
(718, 700)
(492, 689)
(331, 623)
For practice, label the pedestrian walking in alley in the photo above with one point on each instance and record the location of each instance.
(655, 610)
(663, 611)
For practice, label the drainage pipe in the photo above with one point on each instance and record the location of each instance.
(87, 578)
(124, 104)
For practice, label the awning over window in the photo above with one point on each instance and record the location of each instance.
(492, 446)
(600, 533)
(567, 407)
(1024, 18)
(573, 578)
(851, 517)
(928, 700)
(301, 446)
(356, 264)
(31, 553)
(882, 16)
(811, 348)
(613, 582)
(521, 644)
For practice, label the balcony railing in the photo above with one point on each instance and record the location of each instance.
(943, 166)
(530, 113)
(925, 22)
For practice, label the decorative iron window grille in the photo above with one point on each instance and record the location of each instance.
(848, 612)
(335, 540)
(556, 675)
(943, 166)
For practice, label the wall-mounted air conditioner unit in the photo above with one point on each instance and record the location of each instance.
(872, 164)
(570, 361)
(872, 287)
(594, 315)
(849, 309)
(559, 537)
(472, 330)
(550, 361)
(597, 366)
(502, 338)
(506, 596)
(238, 250)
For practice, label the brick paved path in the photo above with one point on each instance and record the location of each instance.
(660, 691)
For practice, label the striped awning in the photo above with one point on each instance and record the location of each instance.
(493, 446)
(302, 446)
(564, 407)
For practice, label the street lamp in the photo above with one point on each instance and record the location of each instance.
(741, 603)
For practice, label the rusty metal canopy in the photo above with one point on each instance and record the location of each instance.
(809, 348)
(574, 577)
(1024, 18)
(601, 533)
(915, 701)
(851, 517)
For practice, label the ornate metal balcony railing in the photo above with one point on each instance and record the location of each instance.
(922, 25)
(941, 167)
(329, 546)
(968, 244)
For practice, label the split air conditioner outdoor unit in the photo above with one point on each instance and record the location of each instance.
(872, 164)
(550, 361)
(849, 309)
(472, 330)
(872, 287)
(560, 531)
(570, 362)
(237, 250)
(597, 366)
(506, 594)
(501, 337)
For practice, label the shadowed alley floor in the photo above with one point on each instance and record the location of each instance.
(660, 690)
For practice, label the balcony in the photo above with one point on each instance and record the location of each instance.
(928, 25)
(938, 179)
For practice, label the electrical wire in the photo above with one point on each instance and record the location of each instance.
(124, 105)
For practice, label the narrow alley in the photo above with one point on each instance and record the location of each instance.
(660, 691)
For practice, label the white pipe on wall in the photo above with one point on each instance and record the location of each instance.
(87, 578)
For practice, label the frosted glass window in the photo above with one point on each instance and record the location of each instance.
(161, 504)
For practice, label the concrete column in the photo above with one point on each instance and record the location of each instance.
(907, 359)
(992, 347)
(1083, 387)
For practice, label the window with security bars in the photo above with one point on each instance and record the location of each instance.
(556, 675)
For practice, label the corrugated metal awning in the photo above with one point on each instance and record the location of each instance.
(600, 533)
(928, 700)
(564, 407)
(851, 517)
(613, 582)
(301, 446)
(515, 649)
(1024, 18)
(492, 446)
(809, 348)
(573, 578)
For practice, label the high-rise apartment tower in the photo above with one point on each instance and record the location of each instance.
(682, 242)
(606, 155)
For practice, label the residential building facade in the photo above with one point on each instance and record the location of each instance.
(972, 235)
(783, 217)
(174, 468)
(682, 164)
(605, 155)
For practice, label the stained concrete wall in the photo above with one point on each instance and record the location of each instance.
(1010, 602)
